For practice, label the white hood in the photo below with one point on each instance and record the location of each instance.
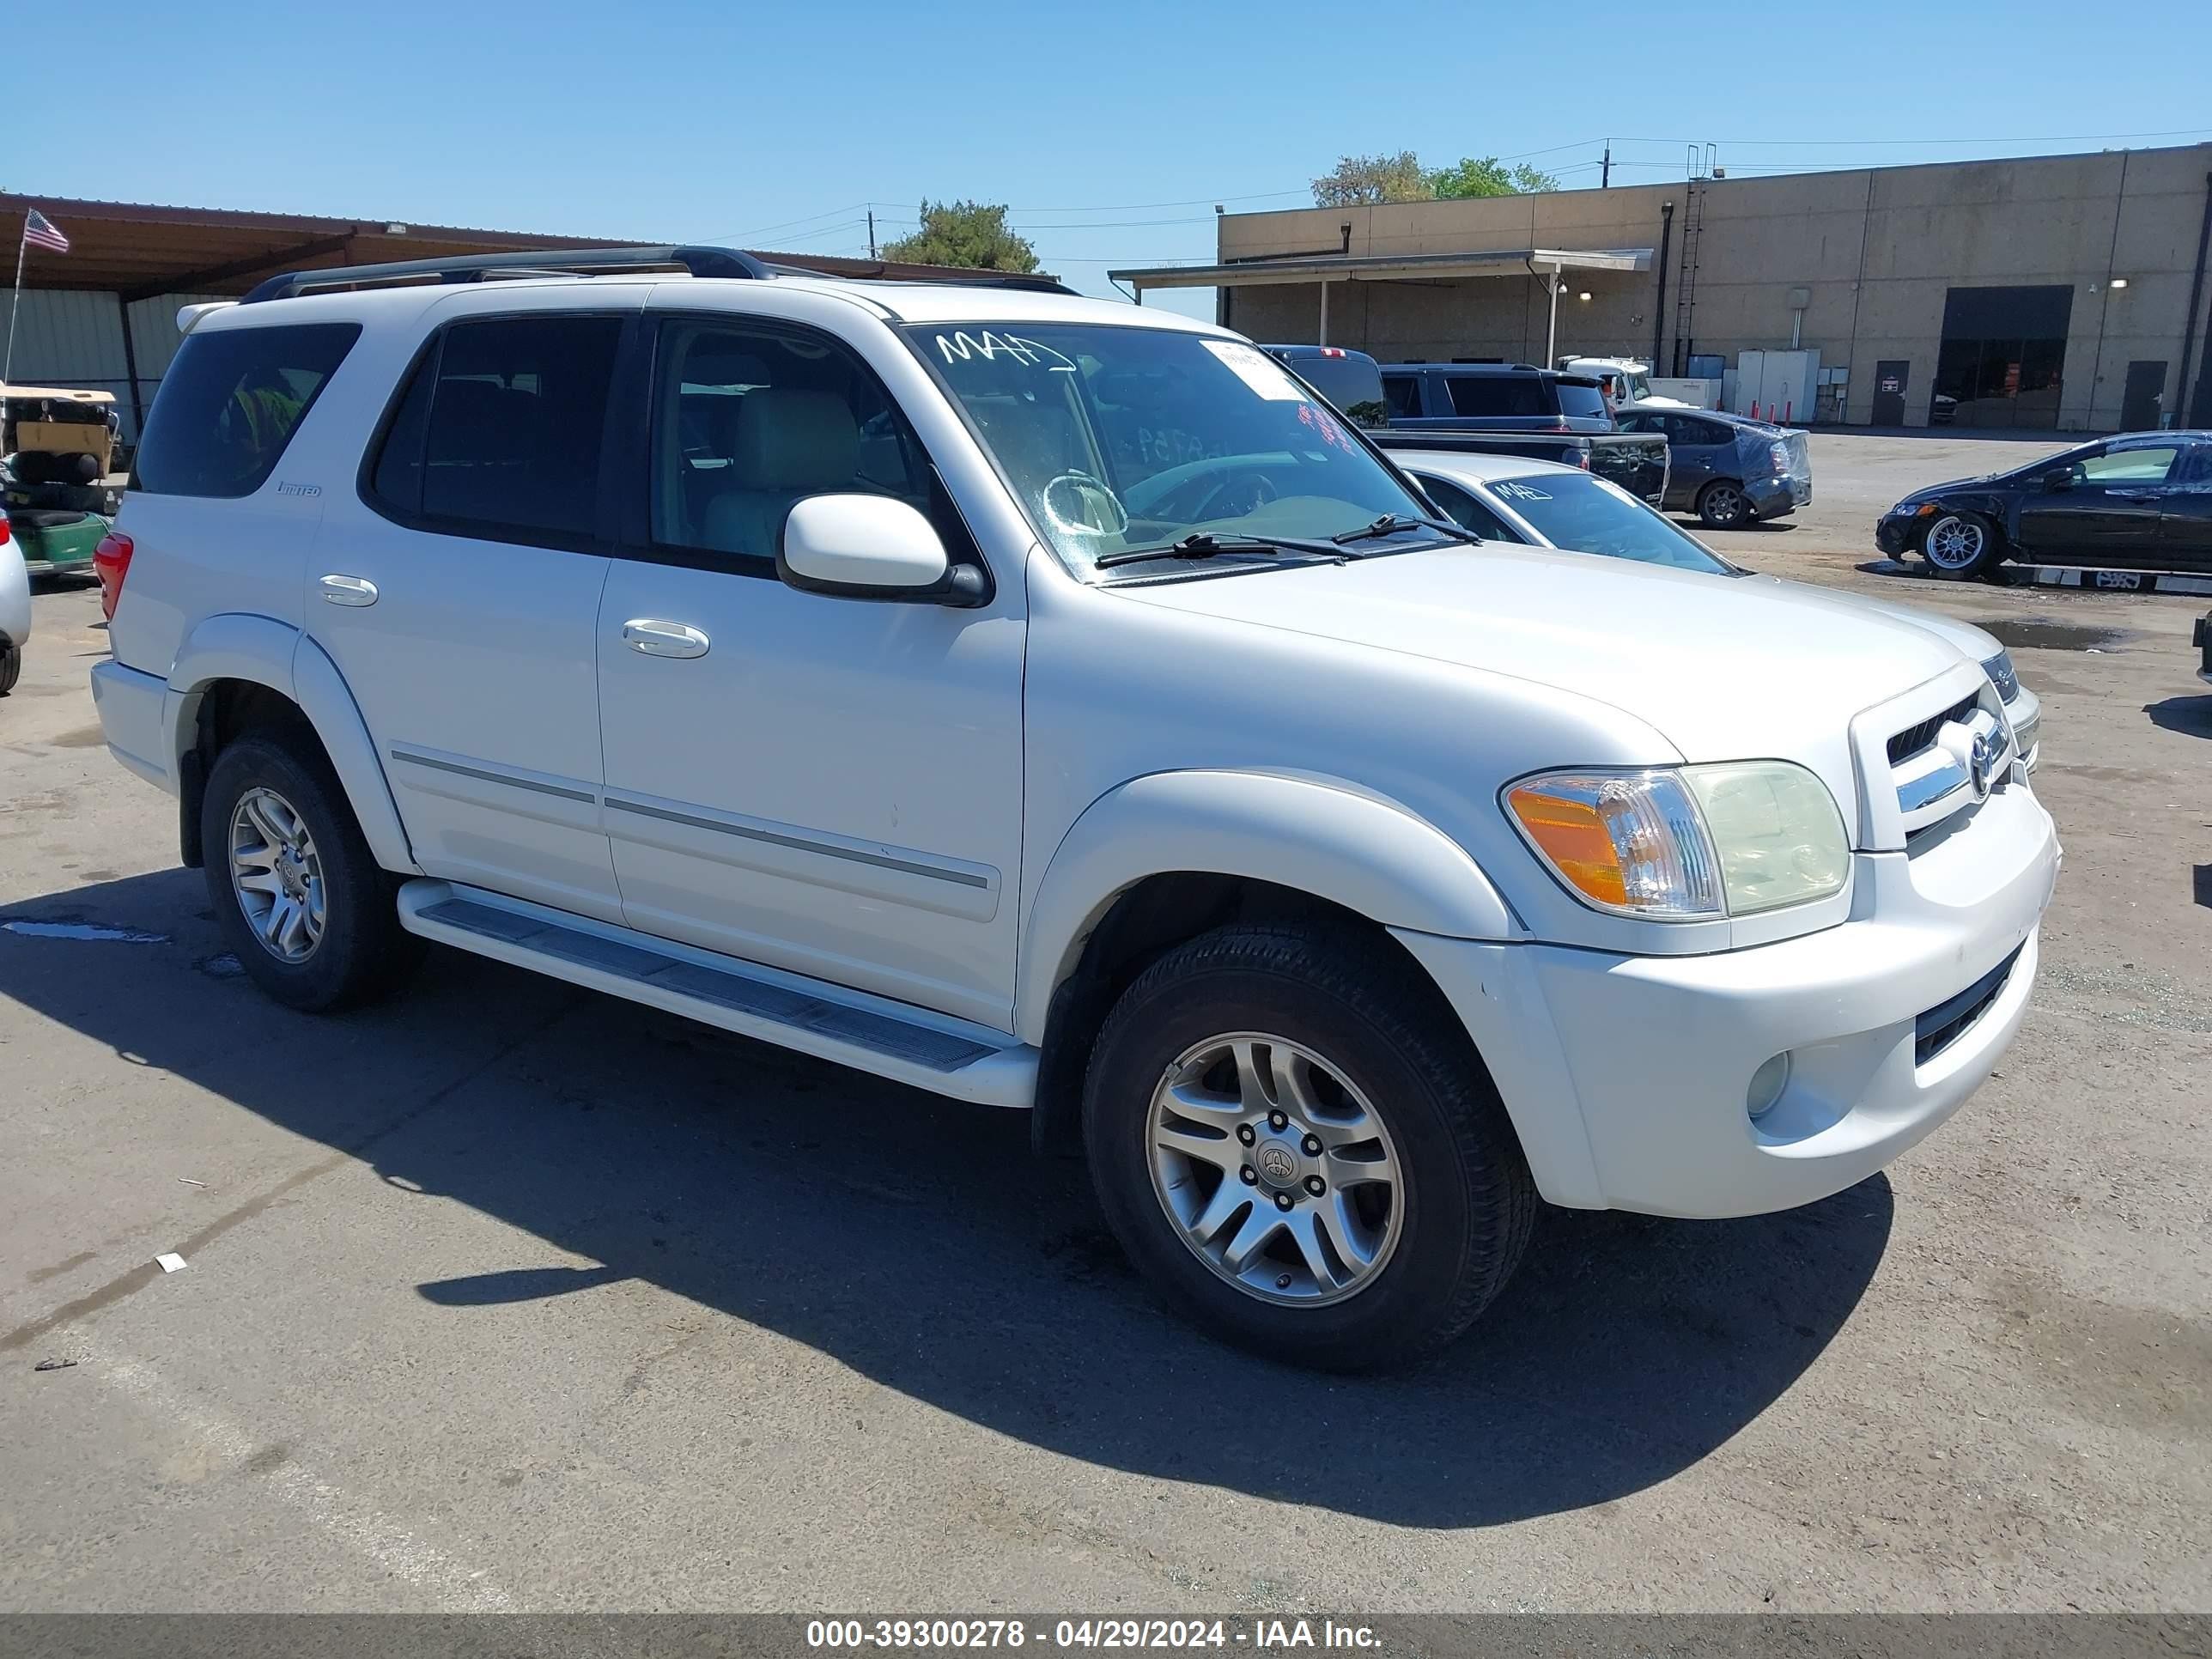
(1722, 669)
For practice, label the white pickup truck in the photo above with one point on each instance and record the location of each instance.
(1052, 704)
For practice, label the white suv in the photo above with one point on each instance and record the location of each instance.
(1051, 704)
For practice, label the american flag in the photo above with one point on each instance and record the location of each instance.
(41, 232)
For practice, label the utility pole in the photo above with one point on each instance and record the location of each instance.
(1605, 178)
(871, 232)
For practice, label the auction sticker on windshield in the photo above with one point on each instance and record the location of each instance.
(1257, 370)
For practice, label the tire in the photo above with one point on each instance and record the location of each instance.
(11, 666)
(357, 951)
(1958, 546)
(1721, 505)
(1369, 1035)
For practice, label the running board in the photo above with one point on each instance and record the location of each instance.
(890, 1039)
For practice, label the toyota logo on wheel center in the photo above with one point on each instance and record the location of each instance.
(1277, 1163)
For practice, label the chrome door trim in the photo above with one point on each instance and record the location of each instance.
(583, 795)
(828, 849)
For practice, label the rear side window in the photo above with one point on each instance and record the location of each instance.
(1581, 401)
(1404, 393)
(500, 430)
(1516, 396)
(229, 405)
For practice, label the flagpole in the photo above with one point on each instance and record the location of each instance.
(22, 246)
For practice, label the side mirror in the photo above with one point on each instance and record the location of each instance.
(2059, 477)
(870, 547)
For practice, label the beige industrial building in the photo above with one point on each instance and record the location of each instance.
(2058, 291)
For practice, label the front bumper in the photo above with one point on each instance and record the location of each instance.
(1896, 533)
(1655, 1055)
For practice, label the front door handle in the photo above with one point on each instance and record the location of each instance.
(348, 590)
(663, 639)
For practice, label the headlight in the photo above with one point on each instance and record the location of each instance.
(2002, 675)
(1688, 843)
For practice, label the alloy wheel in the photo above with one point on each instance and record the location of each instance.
(1725, 505)
(277, 875)
(1953, 543)
(1276, 1171)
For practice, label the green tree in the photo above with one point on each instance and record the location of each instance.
(1365, 180)
(1486, 176)
(966, 234)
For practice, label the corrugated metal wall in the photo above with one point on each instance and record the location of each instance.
(74, 338)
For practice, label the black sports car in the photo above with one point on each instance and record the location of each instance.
(2140, 502)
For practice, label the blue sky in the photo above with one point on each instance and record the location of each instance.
(1110, 130)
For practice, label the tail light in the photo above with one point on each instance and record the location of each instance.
(1582, 459)
(112, 560)
(1778, 453)
(6, 530)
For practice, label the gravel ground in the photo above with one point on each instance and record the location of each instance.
(508, 1296)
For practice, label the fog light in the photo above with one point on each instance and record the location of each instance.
(1767, 1084)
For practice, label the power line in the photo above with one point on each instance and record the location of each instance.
(1870, 143)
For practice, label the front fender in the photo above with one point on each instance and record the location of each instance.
(1352, 849)
(259, 649)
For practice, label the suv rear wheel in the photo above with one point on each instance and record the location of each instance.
(1300, 1152)
(297, 893)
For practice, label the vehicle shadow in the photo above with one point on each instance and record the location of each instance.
(2191, 716)
(918, 1242)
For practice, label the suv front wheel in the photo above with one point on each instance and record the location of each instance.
(1292, 1142)
(296, 892)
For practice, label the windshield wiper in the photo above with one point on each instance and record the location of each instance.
(1204, 545)
(1391, 524)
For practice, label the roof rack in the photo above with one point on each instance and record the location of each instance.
(725, 262)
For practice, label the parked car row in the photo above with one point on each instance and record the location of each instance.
(1730, 471)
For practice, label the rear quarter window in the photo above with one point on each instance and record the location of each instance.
(1516, 396)
(1581, 401)
(229, 405)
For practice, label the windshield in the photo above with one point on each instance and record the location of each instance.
(1116, 438)
(1639, 387)
(1582, 514)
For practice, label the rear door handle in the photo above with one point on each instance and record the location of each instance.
(348, 590)
(663, 639)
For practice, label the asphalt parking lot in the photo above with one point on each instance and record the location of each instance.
(509, 1296)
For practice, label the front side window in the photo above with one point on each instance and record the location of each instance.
(229, 405)
(749, 420)
(1120, 440)
(1462, 508)
(1582, 514)
(2148, 465)
(499, 431)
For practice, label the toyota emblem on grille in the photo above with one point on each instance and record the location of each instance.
(1983, 761)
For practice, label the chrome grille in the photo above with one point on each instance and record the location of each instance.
(1914, 738)
(1949, 762)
